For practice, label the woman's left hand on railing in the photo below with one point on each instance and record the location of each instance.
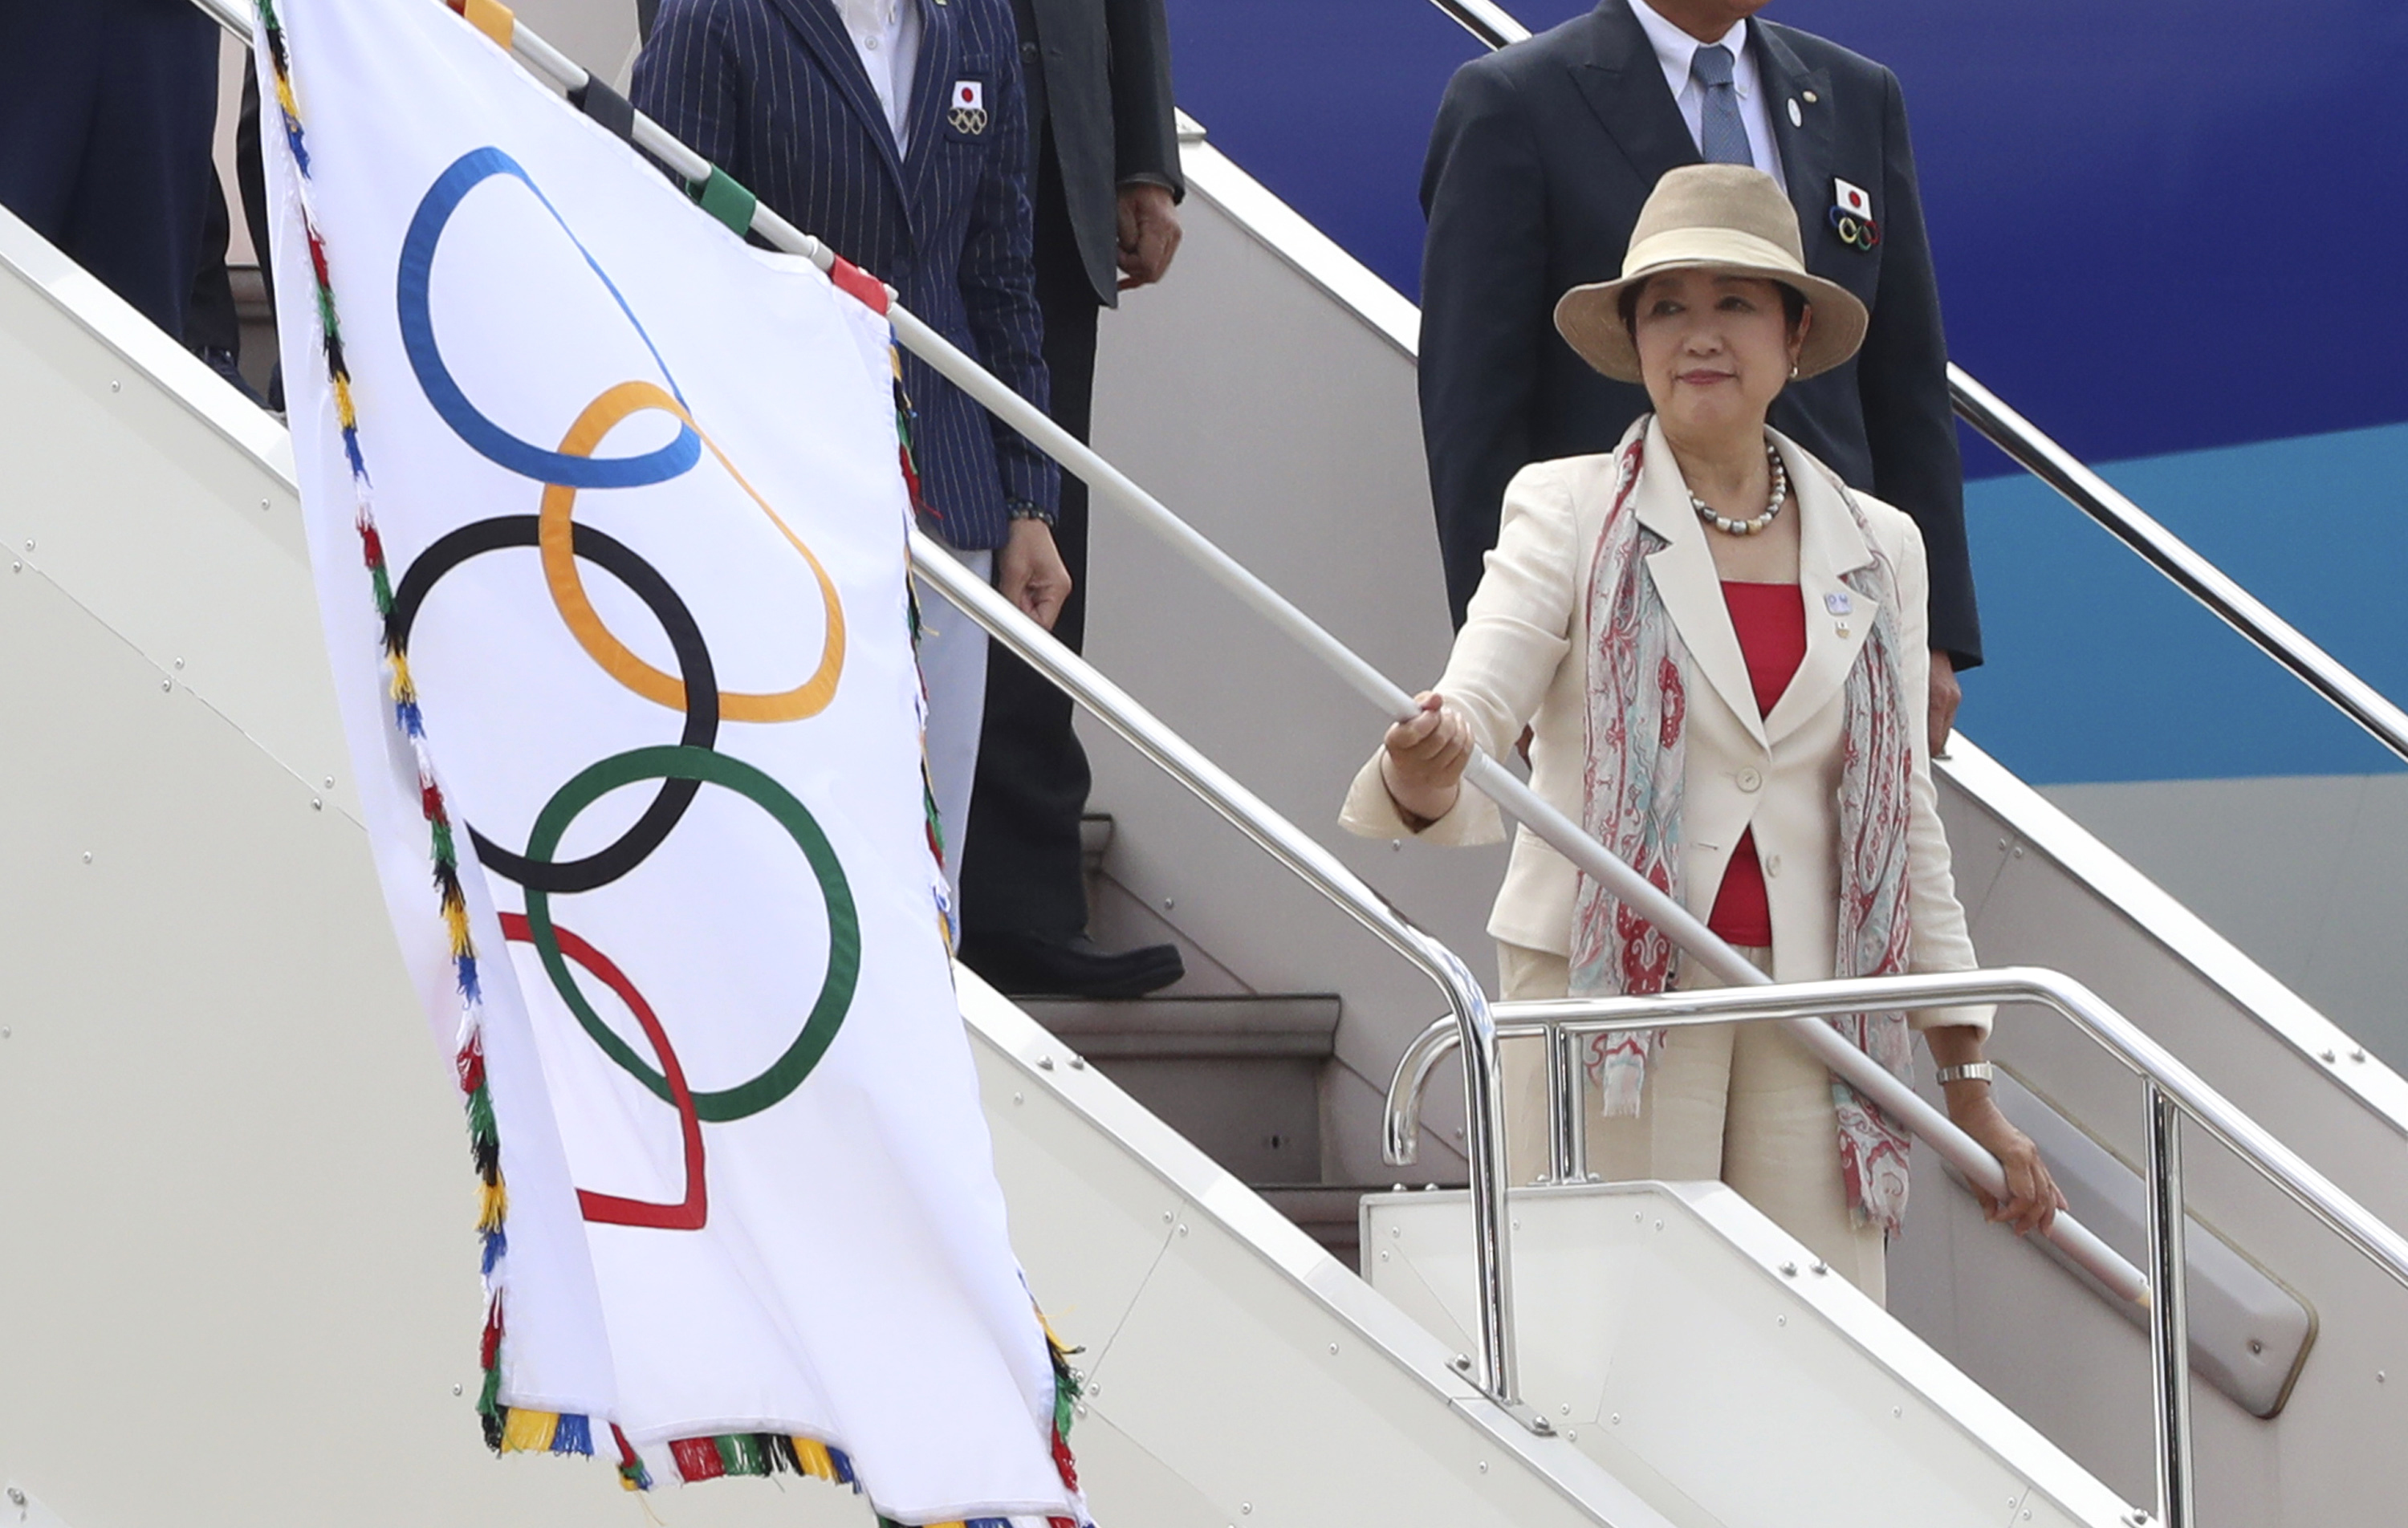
(2032, 1198)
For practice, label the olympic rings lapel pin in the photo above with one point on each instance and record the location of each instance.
(1852, 216)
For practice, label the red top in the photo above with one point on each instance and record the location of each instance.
(1770, 620)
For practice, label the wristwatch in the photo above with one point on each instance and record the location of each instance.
(1972, 1071)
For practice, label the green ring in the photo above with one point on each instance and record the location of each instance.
(680, 762)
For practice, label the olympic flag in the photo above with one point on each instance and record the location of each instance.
(608, 533)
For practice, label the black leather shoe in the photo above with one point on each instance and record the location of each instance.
(1070, 965)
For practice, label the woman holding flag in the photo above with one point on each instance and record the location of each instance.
(1719, 650)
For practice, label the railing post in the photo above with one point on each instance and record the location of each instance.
(2169, 1313)
(1484, 1119)
(1561, 1127)
(1570, 1104)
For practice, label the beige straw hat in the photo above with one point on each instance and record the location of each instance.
(1711, 217)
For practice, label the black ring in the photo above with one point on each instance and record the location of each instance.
(614, 557)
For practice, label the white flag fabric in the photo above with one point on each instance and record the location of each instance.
(608, 531)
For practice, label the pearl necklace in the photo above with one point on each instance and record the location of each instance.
(1748, 527)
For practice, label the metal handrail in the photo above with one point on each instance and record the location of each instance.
(2169, 1089)
(2060, 469)
(2191, 573)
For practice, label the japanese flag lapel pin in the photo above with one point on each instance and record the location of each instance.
(1852, 216)
(965, 108)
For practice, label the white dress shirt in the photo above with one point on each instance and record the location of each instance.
(1675, 48)
(887, 34)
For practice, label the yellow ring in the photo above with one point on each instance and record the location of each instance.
(563, 575)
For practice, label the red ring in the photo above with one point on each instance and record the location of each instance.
(609, 1209)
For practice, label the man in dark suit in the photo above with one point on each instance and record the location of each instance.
(1107, 177)
(896, 131)
(1542, 154)
(106, 111)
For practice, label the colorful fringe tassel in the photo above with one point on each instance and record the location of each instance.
(760, 1453)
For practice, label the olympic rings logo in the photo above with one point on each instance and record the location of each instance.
(680, 769)
(1859, 234)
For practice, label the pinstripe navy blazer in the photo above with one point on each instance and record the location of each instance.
(772, 91)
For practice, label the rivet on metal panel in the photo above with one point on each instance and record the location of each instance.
(1384, 1255)
(2002, 845)
(1045, 1063)
(1781, 1320)
(1333, 1349)
(1078, 1063)
(1396, 1233)
(1461, 1362)
(1571, 1437)
(15, 1497)
(2019, 852)
(1659, 1226)
(166, 686)
(1563, 1411)
(2328, 1056)
(180, 663)
(1618, 1419)
(1821, 1267)
(457, 1390)
(116, 386)
(29, 543)
(330, 782)
(317, 804)
(2379, 1377)
(1166, 1217)
(1083, 1408)
(1429, 1188)
(1169, 903)
(2358, 1053)
(1897, 1411)
(2255, 1346)
(1789, 1270)
(1183, 1230)
(263, 504)
(1018, 1098)
(1483, 1466)
(87, 856)
(16, 566)
(1245, 1509)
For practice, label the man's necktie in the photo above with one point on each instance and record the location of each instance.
(1722, 137)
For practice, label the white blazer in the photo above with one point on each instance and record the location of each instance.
(1521, 660)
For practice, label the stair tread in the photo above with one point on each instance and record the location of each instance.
(1277, 1024)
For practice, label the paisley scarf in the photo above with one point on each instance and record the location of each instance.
(1638, 670)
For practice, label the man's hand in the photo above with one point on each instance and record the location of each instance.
(1149, 234)
(1945, 695)
(1029, 572)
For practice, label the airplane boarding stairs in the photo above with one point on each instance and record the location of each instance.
(199, 983)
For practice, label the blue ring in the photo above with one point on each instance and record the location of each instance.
(488, 440)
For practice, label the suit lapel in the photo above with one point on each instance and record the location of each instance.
(1689, 584)
(817, 23)
(1625, 86)
(931, 82)
(1838, 617)
(1805, 146)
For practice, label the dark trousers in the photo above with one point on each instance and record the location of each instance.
(106, 111)
(1022, 872)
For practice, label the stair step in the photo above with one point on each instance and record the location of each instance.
(1330, 1213)
(1241, 1077)
(1094, 840)
(1286, 1026)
